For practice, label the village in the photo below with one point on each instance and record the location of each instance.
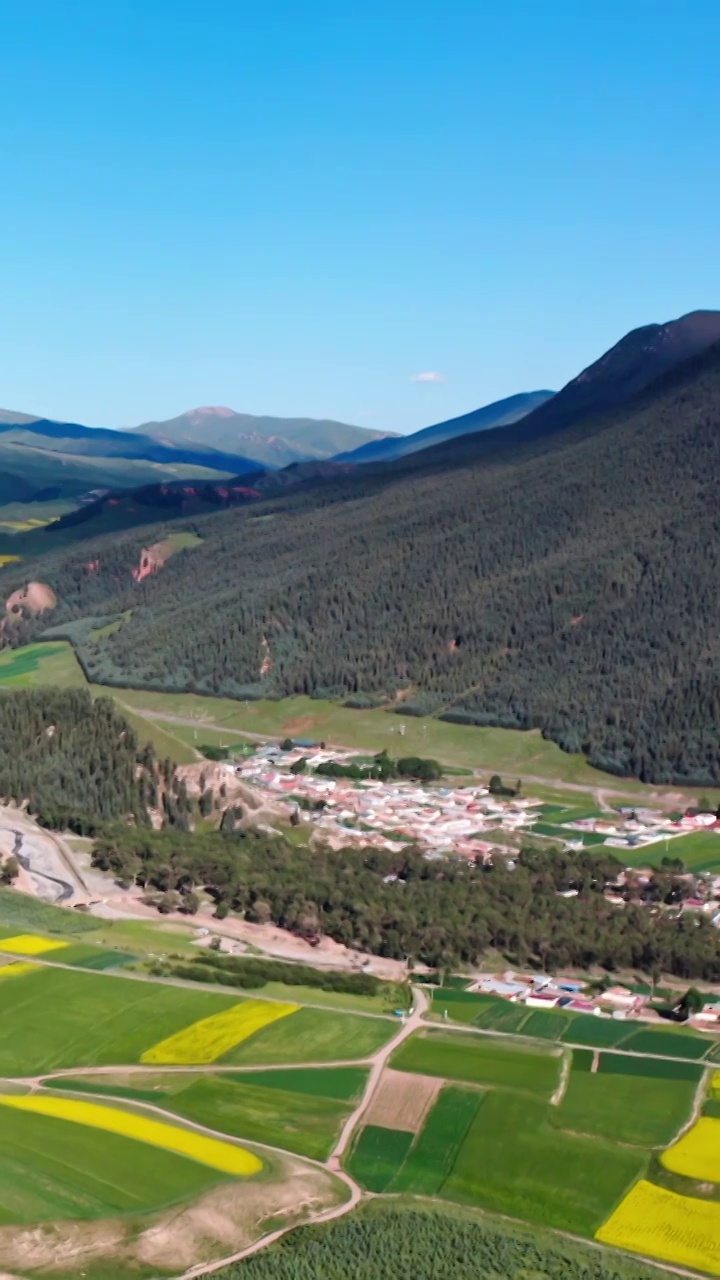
(465, 819)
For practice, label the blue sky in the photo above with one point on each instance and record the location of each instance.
(296, 208)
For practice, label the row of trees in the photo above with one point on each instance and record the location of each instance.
(443, 913)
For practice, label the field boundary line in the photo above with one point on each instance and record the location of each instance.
(464, 1028)
(564, 1080)
(211, 1068)
(695, 1110)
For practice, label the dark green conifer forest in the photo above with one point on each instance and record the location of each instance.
(567, 583)
(76, 761)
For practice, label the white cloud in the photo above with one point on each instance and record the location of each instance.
(432, 375)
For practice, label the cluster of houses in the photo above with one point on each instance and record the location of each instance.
(638, 828)
(538, 991)
(459, 820)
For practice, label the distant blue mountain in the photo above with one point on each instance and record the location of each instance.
(499, 414)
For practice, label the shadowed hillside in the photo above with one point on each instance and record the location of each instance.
(568, 583)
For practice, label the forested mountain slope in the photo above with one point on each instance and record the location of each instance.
(635, 362)
(569, 583)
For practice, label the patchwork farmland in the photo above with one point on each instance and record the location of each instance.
(132, 1101)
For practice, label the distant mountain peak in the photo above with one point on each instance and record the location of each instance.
(210, 411)
(266, 440)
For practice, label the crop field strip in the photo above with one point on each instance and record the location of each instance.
(213, 1152)
(51, 1169)
(659, 1223)
(533, 1069)
(211, 1038)
(493, 1014)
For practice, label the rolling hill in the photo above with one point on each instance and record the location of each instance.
(46, 462)
(271, 442)
(499, 414)
(565, 582)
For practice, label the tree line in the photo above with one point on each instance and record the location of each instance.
(444, 913)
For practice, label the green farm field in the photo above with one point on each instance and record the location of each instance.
(300, 1112)
(314, 1035)
(478, 1060)
(21, 913)
(514, 1161)
(52, 1170)
(642, 1110)
(378, 1155)
(103, 1020)
(49, 662)
(433, 1155)
(699, 851)
(492, 1013)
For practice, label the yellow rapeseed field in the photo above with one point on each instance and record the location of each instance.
(715, 1085)
(661, 1224)
(18, 969)
(697, 1154)
(30, 944)
(207, 1040)
(224, 1156)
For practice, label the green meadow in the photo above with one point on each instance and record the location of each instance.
(512, 753)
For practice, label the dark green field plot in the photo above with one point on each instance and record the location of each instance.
(481, 1060)
(653, 1068)
(433, 1155)
(378, 1155)
(462, 1006)
(546, 1024)
(673, 1044)
(646, 1111)
(699, 851)
(303, 1115)
(84, 956)
(51, 1169)
(314, 1035)
(344, 1084)
(502, 1016)
(514, 1161)
(595, 1032)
